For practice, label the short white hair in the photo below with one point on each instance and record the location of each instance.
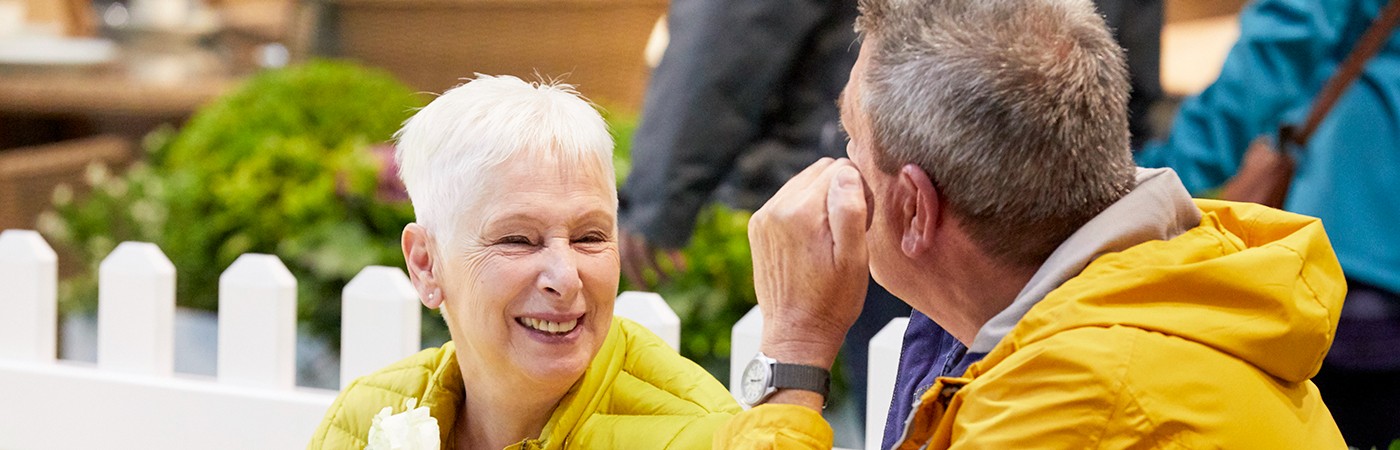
(446, 151)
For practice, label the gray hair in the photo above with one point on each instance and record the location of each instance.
(449, 149)
(1017, 109)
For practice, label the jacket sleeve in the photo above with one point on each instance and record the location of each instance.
(705, 103)
(1287, 49)
(775, 427)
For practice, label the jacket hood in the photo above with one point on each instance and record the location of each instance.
(1157, 208)
(1256, 283)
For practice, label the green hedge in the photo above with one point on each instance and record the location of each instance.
(285, 165)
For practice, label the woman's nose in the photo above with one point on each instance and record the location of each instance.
(560, 278)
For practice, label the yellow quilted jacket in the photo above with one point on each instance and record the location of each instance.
(637, 394)
(1204, 341)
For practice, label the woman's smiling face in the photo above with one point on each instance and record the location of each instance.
(529, 280)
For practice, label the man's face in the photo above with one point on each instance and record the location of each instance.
(883, 235)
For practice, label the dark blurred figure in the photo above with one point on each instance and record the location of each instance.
(745, 98)
(1348, 175)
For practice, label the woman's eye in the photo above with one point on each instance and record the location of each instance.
(591, 238)
(515, 240)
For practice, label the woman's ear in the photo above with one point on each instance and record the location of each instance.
(920, 209)
(418, 253)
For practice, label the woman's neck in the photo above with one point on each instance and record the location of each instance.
(496, 414)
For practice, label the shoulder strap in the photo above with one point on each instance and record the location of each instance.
(1367, 47)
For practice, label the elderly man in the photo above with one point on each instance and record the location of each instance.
(992, 188)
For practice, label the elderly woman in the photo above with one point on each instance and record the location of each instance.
(516, 242)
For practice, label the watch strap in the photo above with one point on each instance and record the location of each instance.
(797, 376)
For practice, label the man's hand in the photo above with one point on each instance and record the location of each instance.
(638, 256)
(811, 264)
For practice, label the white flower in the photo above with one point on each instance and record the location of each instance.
(413, 429)
(96, 174)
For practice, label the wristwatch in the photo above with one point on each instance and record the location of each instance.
(764, 376)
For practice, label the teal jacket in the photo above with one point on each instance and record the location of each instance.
(1349, 175)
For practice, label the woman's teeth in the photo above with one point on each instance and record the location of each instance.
(549, 327)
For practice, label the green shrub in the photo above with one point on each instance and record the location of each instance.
(717, 288)
(284, 165)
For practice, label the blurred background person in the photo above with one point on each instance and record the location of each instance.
(743, 99)
(1348, 175)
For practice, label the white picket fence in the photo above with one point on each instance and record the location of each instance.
(132, 398)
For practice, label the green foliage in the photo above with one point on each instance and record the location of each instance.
(284, 165)
(717, 287)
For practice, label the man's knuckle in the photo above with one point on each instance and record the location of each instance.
(852, 208)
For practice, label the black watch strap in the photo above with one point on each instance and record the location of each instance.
(797, 376)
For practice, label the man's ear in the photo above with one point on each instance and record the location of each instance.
(920, 210)
(421, 258)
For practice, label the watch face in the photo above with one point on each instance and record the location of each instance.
(755, 382)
